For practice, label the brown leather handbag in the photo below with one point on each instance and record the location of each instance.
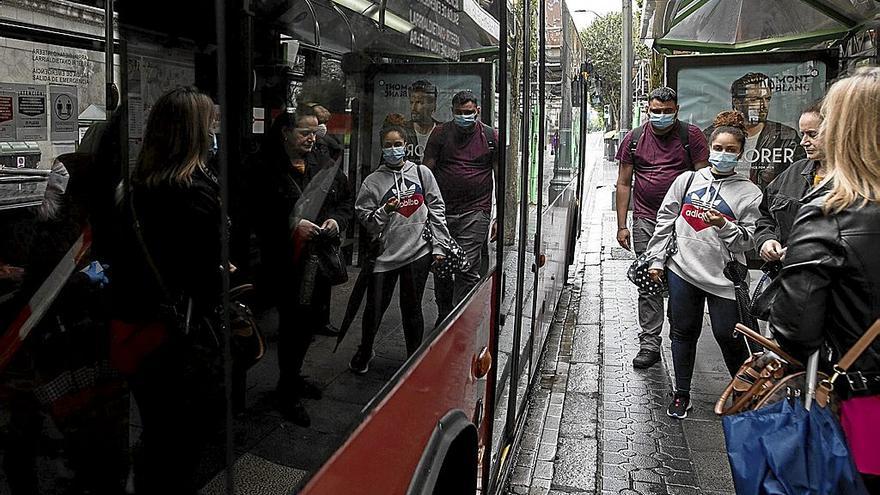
(767, 376)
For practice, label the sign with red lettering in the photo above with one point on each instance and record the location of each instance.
(30, 112)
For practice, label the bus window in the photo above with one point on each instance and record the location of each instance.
(256, 238)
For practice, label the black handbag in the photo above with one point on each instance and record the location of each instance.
(765, 291)
(330, 261)
(638, 272)
(455, 258)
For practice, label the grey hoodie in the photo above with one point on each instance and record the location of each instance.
(401, 231)
(703, 250)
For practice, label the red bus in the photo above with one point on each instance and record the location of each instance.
(83, 79)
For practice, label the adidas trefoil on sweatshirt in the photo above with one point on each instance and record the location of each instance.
(703, 249)
(401, 231)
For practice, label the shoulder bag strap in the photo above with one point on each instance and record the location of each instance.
(489, 132)
(425, 200)
(859, 347)
(634, 142)
(684, 137)
(169, 305)
(826, 386)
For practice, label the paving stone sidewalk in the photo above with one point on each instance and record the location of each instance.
(597, 426)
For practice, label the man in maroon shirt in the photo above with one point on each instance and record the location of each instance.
(463, 159)
(664, 150)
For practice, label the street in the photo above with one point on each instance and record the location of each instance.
(595, 425)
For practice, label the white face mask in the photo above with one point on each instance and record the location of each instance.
(723, 161)
(321, 131)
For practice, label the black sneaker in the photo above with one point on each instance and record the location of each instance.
(680, 405)
(646, 359)
(360, 363)
(308, 390)
(293, 410)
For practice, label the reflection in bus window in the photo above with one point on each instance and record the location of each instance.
(300, 202)
(462, 155)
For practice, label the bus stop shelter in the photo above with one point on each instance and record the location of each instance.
(724, 26)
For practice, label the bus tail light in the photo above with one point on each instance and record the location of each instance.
(482, 363)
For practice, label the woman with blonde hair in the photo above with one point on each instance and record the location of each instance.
(829, 287)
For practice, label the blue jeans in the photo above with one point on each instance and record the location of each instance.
(686, 303)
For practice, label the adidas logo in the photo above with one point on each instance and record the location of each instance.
(705, 201)
(405, 193)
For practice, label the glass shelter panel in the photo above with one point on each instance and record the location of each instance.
(225, 267)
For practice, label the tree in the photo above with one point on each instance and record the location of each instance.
(603, 46)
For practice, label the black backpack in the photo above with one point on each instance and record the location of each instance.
(682, 136)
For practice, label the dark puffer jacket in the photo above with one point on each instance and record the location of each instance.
(829, 287)
(781, 202)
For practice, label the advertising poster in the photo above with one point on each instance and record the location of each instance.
(418, 101)
(771, 97)
(65, 113)
(30, 112)
(7, 115)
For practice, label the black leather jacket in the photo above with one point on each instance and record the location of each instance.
(829, 287)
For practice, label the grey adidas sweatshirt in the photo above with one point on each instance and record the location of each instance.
(703, 249)
(401, 231)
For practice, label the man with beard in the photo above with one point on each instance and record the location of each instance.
(462, 156)
(770, 146)
(422, 104)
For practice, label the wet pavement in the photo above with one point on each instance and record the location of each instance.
(595, 424)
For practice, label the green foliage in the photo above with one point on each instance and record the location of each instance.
(603, 46)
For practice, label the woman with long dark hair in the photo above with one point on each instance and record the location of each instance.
(171, 267)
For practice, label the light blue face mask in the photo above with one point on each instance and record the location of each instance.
(662, 121)
(394, 155)
(723, 161)
(465, 121)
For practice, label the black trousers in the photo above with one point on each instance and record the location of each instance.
(180, 397)
(412, 287)
(297, 324)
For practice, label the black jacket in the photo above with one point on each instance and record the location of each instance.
(782, 200)
(181, 228)
(829, 287)
(275, 191)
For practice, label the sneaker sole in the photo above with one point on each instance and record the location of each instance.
(357, 371)
(366, 367)
(688, 408)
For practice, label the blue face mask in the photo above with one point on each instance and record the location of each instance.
(723, 161)
(465, 121)
(394, 155)
(662, 121)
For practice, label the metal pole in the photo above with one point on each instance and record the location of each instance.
(626, 63)
(811, 379)
(223, 53)
(109, 95)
